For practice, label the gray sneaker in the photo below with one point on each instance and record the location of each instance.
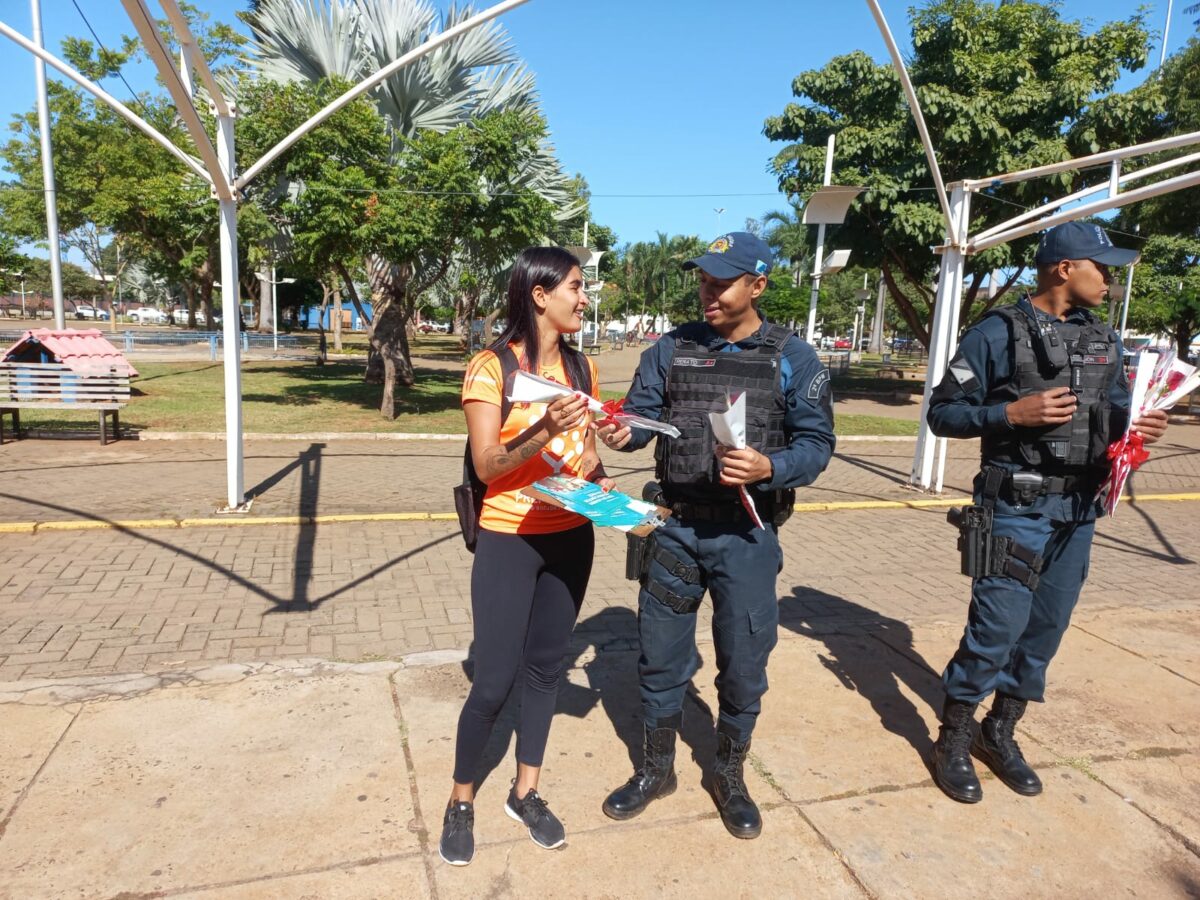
(544, 827)
(457, 846)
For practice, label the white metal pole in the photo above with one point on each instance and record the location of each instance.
(948, 293)
(951, 344)
(914, 106)
(1125, 301)
(1162, 55)
(24, 314)
(819, 258)
(234, 474)
(43, 107)
(274, 312)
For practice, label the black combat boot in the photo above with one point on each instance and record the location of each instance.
(654, 778)
(953, 770)
(738, 811)
(996, 747)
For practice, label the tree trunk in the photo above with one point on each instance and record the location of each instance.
(337, 319)
(206, 298)
(465, 307)
(904, 305)
(189, 294)
(322, 347)
(266, 316)
(1184, 330)
(389, 338)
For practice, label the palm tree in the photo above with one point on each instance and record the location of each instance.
(787, 235)
(469, 77)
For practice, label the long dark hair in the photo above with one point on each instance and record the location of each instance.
(544, 267)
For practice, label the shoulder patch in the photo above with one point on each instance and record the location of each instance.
(963, 374)
(817, 383)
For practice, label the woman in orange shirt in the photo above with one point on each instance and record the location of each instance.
(532, 560)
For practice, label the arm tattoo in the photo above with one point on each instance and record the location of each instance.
(506, 459)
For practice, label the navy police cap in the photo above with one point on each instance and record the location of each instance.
(1081, 240)
(734, 254)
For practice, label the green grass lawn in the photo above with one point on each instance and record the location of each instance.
(284, 397)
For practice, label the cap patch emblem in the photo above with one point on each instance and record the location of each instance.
(720, 245)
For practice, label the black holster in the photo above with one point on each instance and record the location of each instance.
(974, 524)
(638, 552)
(984, 554)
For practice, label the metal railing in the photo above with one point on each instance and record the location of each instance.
(130, 341)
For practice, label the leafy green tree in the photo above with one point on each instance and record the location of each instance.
(1166, 289)
(569, 232)
(1003, 87)
(434, 110)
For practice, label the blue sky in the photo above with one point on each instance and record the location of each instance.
(659, 103)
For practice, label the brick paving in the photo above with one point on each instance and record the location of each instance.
(127, 599)
(115, 601)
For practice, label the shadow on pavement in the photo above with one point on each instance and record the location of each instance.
(869, 653)
(612, 681)
(279, 604)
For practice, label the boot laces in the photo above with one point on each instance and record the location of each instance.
(1004, 737)
(729, 771)
(535, 805)
(957, 740)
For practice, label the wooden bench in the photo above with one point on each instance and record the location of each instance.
(54, 386)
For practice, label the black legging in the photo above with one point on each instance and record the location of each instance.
(526, 590)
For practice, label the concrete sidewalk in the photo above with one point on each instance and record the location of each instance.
(318, 780)
(268, 710)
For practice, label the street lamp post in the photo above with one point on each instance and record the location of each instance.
(274, 306)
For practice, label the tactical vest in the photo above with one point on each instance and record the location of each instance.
(1093, 366)
(701, 381)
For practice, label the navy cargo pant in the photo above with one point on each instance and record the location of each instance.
(1012, 632)
(738, 565)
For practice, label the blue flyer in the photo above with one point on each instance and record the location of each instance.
(609, 508)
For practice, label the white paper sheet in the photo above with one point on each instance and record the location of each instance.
(729, 429)
(529, 388)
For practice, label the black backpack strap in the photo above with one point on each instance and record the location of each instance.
(775, 337)
(508, 365)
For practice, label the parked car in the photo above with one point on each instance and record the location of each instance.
(841, 344)
(180, 317)
(87, 311)
(148, 315)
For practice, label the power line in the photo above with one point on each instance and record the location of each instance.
(99, 43)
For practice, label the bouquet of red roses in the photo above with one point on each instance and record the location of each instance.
(1160, 381)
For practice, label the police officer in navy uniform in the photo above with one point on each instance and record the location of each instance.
(710, 542)
(1042, 385)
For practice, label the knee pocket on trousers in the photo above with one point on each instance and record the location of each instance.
(755, 648)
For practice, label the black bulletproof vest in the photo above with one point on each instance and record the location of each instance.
(701, 381)
(1093, 366)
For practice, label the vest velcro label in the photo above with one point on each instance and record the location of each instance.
(694, 363)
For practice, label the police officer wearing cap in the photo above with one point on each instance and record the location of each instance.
(1041, 384)
(710, 542)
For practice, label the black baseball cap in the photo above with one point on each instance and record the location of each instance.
(733, 254)
(1081, 240)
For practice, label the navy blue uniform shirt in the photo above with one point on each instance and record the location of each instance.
(808, 421)
(983, 363)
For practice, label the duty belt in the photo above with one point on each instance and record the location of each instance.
(708, 512)
(1024, 487)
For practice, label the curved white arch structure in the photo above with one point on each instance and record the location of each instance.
(216, 166)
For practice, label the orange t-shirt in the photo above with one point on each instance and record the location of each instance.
(505, 508)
